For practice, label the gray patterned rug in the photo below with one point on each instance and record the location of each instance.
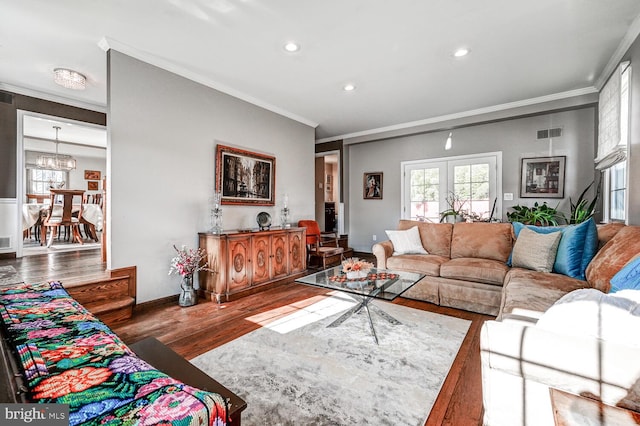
(9, 275)
(296, 371)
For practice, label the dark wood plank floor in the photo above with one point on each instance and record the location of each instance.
(198, 329)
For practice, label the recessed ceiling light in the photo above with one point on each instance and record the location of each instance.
(349, 87)
(291, 47)
(461, 52)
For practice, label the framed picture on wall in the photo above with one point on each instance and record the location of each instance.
(245, 177)
(542, 177)
(372, 186)
(93, 185)
(92, 174)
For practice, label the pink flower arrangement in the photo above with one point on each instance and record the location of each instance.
(187, 261)
(353, 264)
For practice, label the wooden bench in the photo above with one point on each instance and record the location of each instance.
(169, 362)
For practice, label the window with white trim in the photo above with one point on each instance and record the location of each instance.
(40, 180)
(472, 178)
(613, 140)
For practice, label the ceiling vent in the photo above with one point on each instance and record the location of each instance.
(550, 133)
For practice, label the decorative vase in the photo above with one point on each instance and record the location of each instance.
(354, 275)
(188, 296)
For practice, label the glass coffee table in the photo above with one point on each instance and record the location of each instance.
(378, 284)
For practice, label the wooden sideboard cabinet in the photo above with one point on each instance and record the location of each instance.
(242, 261)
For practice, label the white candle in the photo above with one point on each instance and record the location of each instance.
(286, 201)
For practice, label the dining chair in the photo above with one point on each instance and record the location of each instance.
(37, 198)
(326, 255)
(62, 217)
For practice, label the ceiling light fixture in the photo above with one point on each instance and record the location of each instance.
(349, 87)
(57, 161)
(448, 143)
(69, 79)
(292, 47)
(461, 52)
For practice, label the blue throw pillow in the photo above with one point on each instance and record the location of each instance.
(627, 278)
(577, 246)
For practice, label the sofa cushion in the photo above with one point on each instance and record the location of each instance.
(481, 240)
(577, 247)
(590, 312)
(627, 278)
(428, 264)
(536, 251)
(612, 257)
(473, 269)
(530, 293)
(435, 237)
(406, 241)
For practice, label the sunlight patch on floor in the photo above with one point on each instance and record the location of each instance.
(296, 315)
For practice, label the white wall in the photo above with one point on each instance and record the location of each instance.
(515, 138)
(8, 222)
(76, 177)
(163, 130)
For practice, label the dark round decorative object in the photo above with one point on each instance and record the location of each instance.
(264, 220)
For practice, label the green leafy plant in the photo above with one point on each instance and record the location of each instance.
(582, 210)
(539, 214)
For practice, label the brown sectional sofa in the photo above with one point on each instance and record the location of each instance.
(466, 267)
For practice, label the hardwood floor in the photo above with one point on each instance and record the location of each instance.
(198, 329)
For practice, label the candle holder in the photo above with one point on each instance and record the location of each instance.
(284, 218)
(216, 214)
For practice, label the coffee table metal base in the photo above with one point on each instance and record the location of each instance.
(364, 303)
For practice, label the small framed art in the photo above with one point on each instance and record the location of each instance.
(372, 186)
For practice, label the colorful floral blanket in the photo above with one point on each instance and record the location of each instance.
(70, 357)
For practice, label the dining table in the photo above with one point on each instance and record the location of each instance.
(32, 213)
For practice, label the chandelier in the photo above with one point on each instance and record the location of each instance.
(69, 79)
(57, 161)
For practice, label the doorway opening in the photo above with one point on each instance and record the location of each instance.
(59, 153)
(329, 207)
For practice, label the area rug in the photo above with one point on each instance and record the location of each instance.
(9, 275)
(296, 371)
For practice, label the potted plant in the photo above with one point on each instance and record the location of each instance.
(454, 213)
(539, 214)
(583, 210)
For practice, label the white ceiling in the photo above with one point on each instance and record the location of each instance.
(398, 54)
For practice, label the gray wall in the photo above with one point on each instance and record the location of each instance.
(515, 138)
(634, 141)
(163, 130)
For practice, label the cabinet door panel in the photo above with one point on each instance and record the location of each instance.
(297, 252)
(239, 267)
(279, 255)
(260, 258)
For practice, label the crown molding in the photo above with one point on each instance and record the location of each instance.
(626, 42)
(107, 43)
(465, 114)
(52, 97)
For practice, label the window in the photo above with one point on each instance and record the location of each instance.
(473, 178)
(613, 162)
(39, 180)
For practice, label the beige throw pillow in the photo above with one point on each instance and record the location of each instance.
(535, 251)
(406, 242)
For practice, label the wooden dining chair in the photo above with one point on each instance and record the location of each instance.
(325, 255)
(65, 218)
(37, 198)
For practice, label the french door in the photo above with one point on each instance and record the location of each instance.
(474, 180)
